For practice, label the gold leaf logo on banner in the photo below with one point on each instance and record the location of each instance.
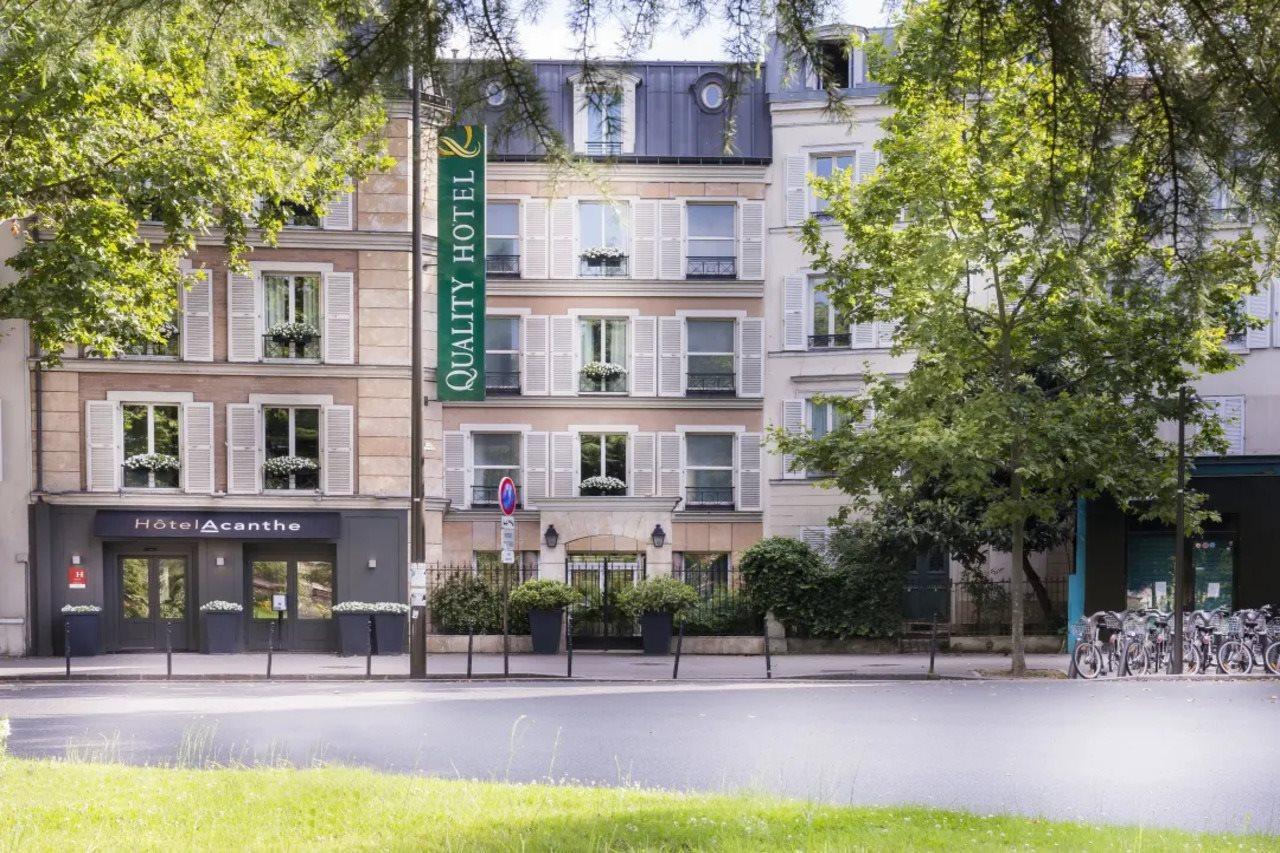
(469, 146)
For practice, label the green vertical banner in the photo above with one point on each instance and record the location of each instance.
(460, 270)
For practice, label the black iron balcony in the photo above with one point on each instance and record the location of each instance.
(607, 148)
(710, 384)
(503, 383)
(485, 495)
(710, 266)
(708, 497)
(274, 347)
(603, 267)
(836, 341)
(502, 266)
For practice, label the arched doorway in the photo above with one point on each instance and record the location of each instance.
(600, 576)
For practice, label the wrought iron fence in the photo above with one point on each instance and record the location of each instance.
(708, 497)
(711, 384)
(502, 383)
(273, 347)
(724, 608)
(840, 339)
(710, 266)
(982, 607)
(502, 266)
(603, 267)
(469, 596)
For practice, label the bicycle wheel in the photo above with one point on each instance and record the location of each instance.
(1134, 659)
(1190, 658)
(1271, 657)
(1088, 660)
(1234, 658)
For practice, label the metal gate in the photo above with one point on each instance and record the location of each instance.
(597, 622)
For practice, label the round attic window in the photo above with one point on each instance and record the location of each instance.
(495, 94)
(712, 95)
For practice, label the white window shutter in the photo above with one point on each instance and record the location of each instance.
(794, 305)
(337, 469)
(533, 217)
(864, 335)
(670, 356)
(868, 162)
(102, 440)
(197, 317)
(670, 468)
(749, 457)
(564, 468)
(819, 539)
(1230, 413)
(243, 300)
(643, 463)
(536, 469)
(197, 448)
(341, 212)
(564, 260)
(751, 357)
(628, 118)
(644, 355)
(1259, 306)
(671, 239)
(644, 263)
(456, 481)
(535, 372)
(793, 423)
(795, 188)
(562, 356)
(244, 441)
(339, 317)
(751, 245)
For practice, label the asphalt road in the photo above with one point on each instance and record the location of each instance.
(1196, 755)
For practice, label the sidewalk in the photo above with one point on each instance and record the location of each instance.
(601, 666)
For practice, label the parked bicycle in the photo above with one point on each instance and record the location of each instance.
(1140, 642)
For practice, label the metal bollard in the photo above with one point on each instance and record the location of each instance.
(368, 653)
(675, 670)
(66, 642)
(933, 642)
(271, 646)
(471, 636)
(768, 658)
(568, 639)
(506, 640)
(168, 651)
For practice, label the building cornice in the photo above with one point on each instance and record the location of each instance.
(749, 289)
(647, 403)
(152, 367)
(311, 238)
(707, 172)
(225, 502)
(608, 504)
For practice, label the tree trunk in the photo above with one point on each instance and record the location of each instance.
(1038, 587)
(1017, 645)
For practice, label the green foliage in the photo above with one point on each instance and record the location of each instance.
(783, 576)
(656, 595)
(543, 594)
(464, 602)
(726, 613)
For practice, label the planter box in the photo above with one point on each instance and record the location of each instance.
(84, 634)
(353, 633)
(389, 633)
(222, 632)
(655, 631)
(546, 628)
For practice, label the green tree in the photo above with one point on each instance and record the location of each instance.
(1026, 236)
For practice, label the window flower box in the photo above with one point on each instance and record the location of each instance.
(603, 370)
(603, 261)
(284, 466)
(293, 333)
(600, 486)
(152, 462)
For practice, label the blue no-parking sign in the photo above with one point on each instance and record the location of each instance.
(507, 495)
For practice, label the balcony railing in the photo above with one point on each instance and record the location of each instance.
(608, 148)
(710, 384)
(502, 382)
(709, 497)
(836, 341)
(710, 266)
(273, 348)
(603, 268)
(502, 266)
(485, 495)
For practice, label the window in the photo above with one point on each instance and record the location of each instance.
(604, 356)
(171, 347)
(824, 166)
(604, 121)
(708, 574)
(602, 464)
(830, 324)
(712, 95)
(836, 57)
(502, 355)
(822, 418)
(709, 470)
(711, 347)
(712, 246)
(603, 238)
(151, 451)
(502, 238)
(495, 94)
(1223, 204)
(292, 315)
(293, 437)
(494, 455)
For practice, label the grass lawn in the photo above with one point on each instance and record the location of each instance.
(66, 805)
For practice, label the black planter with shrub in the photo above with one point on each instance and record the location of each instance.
(544, 602)
(656, 602)
(353, 631)
(389, 630)
(546, 627)
(655, 632)
(83, 632)
(221, 630)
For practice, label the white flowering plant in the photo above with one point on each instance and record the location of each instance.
(603, 253)
(602, 370)
(371, 607)
(220, 606)
(300, 332)
(152, 462)
(604, 485)
(283, 466)
(81, 608)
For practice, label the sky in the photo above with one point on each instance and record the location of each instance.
(548, 37)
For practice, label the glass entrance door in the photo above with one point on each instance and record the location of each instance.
(1151, 564)
(153, 597)
(308, 587)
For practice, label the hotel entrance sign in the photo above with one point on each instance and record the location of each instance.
(460, 263)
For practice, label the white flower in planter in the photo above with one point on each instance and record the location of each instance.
(602, 370)
(283, 466)
(609, 485)
(353, 607)
(220, 606)
(152, 462)
(81, 608)
(300, 332)
(603, 253)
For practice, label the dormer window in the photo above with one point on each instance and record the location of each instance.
(835, 64)
(842, 62)
(604, 119)
(604, 122)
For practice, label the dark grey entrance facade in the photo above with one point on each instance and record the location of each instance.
(151, 568)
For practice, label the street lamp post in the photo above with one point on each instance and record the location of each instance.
(417, 545)
(1180, 534)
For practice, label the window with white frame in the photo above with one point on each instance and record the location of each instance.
(822, 418)
(825, 166)
(152, 455)
(502, 238)
(828, 324)
(604, 238)
(708, 470)
(502, 354)
(494, 455)
(170, 347)
(712, 240)
(837, 57)
(710, 356)
(602, 463)
(291, 314)
(604, 121)
(291, 444)
(604, 355)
